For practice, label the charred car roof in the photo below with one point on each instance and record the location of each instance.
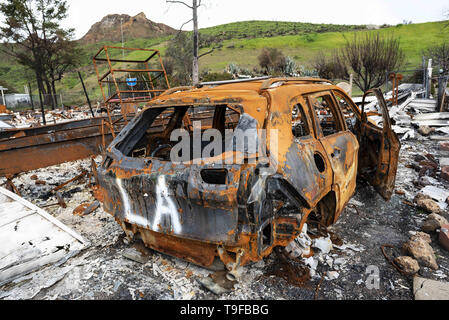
(230, 92)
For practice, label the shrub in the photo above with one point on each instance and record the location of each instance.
(290, 67)
(272, 60)
(309, 37)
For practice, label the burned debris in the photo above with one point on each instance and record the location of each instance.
(26, 145)
(237, 209)
(416, 117)
(144, 183)
(76, 134)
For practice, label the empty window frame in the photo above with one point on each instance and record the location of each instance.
(324, 107)
(347, 108)
(300, 127)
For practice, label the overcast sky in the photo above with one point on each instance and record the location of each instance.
(84, 13)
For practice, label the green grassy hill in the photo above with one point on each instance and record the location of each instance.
(242, 43)
(261, 29)
(303, 47)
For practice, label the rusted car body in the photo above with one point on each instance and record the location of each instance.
(317, 142)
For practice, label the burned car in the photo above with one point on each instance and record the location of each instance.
(235, 205)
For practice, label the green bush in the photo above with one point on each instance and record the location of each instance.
(310, 37)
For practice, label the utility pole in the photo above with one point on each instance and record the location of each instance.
(195, 5)
(195, 76)
(87, 96)
(123, 43)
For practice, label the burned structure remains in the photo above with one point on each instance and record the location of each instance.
(25, 149)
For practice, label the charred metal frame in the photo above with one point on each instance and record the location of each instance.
(128, 104)
(153, 74)
(23, 150)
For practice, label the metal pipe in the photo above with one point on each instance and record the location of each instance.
(123, 45)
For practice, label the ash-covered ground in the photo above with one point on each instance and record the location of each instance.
(347, 272)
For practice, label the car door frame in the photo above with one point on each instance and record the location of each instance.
(384, 179)
(311, 141)
(344, 187)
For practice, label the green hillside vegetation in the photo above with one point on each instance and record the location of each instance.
(415, 38)
(241, 43)
(261, 29)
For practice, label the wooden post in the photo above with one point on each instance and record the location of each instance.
(442, 85)
(429, 79)
(3, 95)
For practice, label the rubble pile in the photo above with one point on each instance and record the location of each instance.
(327, 251)
(29, 119)
(425, 156)
(414, 117)
(422, 252)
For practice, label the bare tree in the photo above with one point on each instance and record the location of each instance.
(195, 5)
(370, 56)
(330, 67)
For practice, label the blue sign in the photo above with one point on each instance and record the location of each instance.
(131, 82)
